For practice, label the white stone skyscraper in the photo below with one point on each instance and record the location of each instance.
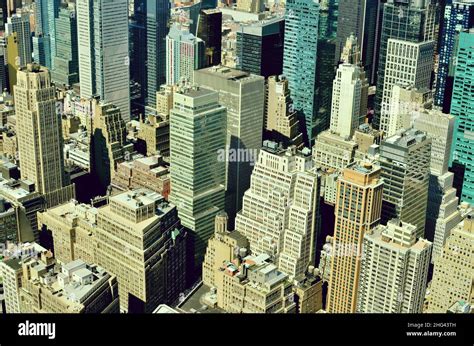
(394, 270)
(39, 133)
(102, 27)
(453, 276)
(349, 99)
(407, 62)
(280, 213)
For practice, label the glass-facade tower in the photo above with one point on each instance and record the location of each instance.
(299, 63)
(462, 107)
(458, 15)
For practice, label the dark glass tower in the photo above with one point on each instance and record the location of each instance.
(138, 55)
(260, 47)
(458, 15)
(359, 17)
(210, 31)
(65, 61)
(157, 18)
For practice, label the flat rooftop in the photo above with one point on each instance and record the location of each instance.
(195, 302)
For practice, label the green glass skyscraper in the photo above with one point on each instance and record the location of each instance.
(299, 62)
(462, 107)
(65, 60)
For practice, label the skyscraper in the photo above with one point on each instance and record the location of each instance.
(441, 214)
(281, 121)
(416, 62)
(184, 54)
(197, 133)
(394, 270)
(157, 18)
(209, 29)
(136, 236)
(405, 162)
(20, 24)
(360, 19)
(108, 143)
(357, 211)
(453, 273)
(462, 109)
(243, 95)
(349, 100)
(260, 47)
(280, 213)
(45, 15)
(66, 60)
(138, 55)
(411, 21)
(103, 51)
(39, 131)
(299, 63)
(458, 15)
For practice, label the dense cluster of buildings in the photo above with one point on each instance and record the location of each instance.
(251, 157)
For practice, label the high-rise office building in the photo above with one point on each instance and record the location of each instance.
(462, 109)
(157, 19)
(45, 15)
(406, 102)
(65, 59)
(281, 120)
(359, 18)
(3, 67)
(299, 63)
(412, 21)
(394, 270)
(453, 273)
(108, 143)
(209, 30)
(458, 15)
(259, 47)
(103, 51)
(20, 24)
(138, 54)
(357, 211)
(53, 11)
(349, 100)
(184, 54)
(416, 62)
(405, 162)
(39, 134)
(442, 214)
(243, 95)
(137, 237)
(197, 134)
(12, 60)
(280, 213)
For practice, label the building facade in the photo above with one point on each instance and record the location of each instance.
(357, 211)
